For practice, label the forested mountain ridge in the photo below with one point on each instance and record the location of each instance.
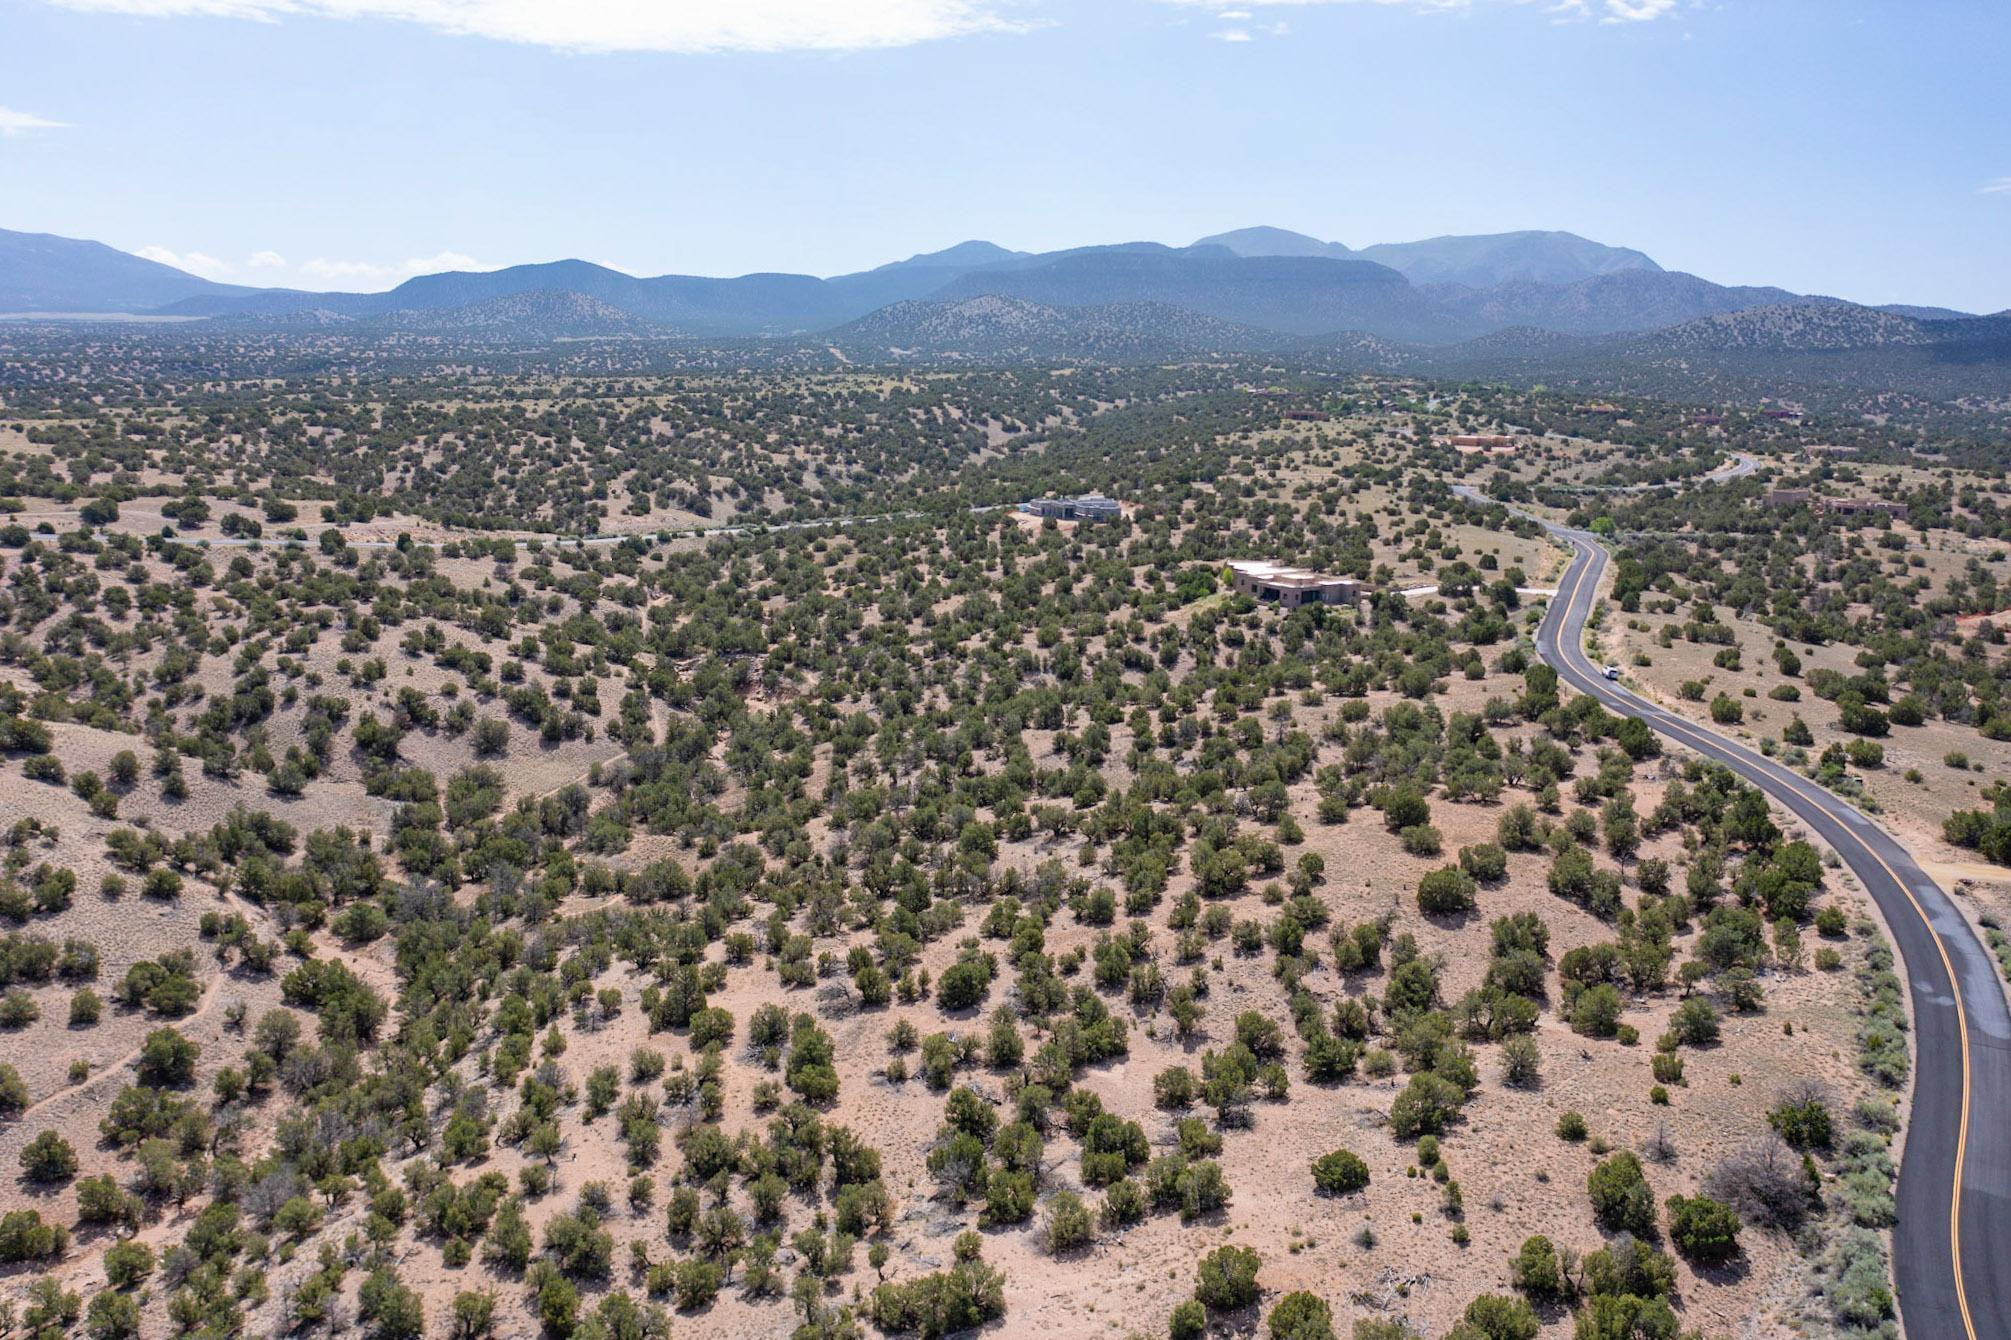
(1441, 290)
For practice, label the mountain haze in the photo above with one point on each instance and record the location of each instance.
(1505, 258)
(41, 272)
(994, 327)
(1623, 300)
(1266, 241)
(1541, 305)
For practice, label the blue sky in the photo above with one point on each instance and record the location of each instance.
(1854, 147)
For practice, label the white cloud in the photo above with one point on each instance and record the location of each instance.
(14, 123)
(1245, 33)
(633, 25)
(1636, 11)
(374, 274)
(1997, 186)
(270, 268)
(195, 262)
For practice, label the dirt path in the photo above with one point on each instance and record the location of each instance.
(131, 1058)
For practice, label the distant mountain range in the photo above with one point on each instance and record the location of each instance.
(1475, 262)
(1443, 290)
(1534, 304)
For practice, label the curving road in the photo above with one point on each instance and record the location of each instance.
(1952, 1245)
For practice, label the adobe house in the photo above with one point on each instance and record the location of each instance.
(1289, 588)
(1860, 506)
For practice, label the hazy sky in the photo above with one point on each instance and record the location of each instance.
(1855, 147)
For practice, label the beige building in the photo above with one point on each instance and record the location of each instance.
(1832, 506)
(1860, 507)
(1277, 584)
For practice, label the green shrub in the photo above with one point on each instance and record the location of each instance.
(1496, 1317)
(1484, 861)
(49, 1158)
(1227, 1279)
(1422, 840)
(128, 1263)
(1427, 1105)
(1069, 1224)
(1596, 1012)
(966, 1296)
(1704, 1230)
(1860, 1288)
(1621, 1198)
(1189, 1321)
(1802, 1118)
(24, 1237)
(1536, 1269)
(1340, 1173)
(1301, 1316)
(1695, 1022)
(1627, 1266)
(1445, 892)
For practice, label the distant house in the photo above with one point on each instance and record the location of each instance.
(1289, 587)
(1707, 420)
(1492, 443)
(1830, 449)
(1785, 498)
(1860, 507)
(1597, 409)
(1781, 413)
(1308, 415)
(1089, 507)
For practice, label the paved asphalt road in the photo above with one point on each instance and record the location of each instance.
(1952, 1245)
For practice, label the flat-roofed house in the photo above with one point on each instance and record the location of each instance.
(1861, 506)
(1289, 587)
(1089, 507)
(1787, 497)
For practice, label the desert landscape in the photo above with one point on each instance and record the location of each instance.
(831, 900)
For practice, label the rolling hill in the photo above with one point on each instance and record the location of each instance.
(994, 327)
(1295, 295)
